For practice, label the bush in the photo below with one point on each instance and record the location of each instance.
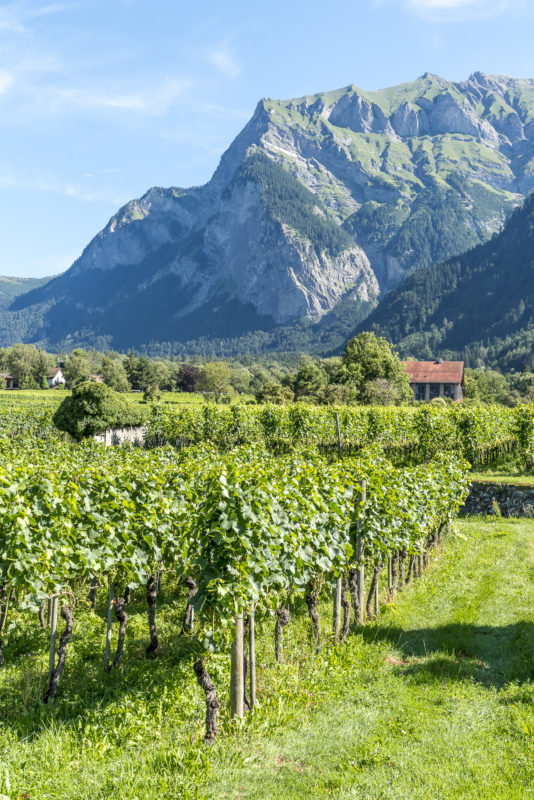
(93, 408)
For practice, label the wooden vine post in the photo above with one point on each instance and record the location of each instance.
(111, 599)
(390, 574)
(252, 656)
(339, 581)
(359, 556)
(237, 673)
(338, 431)
(53, 604)
(337, 608)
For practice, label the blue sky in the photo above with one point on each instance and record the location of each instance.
(101, 99)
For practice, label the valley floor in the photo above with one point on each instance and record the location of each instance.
(433, 702)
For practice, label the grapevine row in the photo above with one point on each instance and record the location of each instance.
(243, 530)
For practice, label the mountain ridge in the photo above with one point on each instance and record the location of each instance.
(321, 200)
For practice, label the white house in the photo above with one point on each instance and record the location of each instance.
(55, 378)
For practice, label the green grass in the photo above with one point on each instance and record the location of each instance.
(517, 479)
(434, 701)
(54, 397)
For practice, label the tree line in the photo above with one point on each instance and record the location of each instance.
(368, 373)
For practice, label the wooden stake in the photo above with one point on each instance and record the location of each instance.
(111, 598)
(376, 599)
(237, 684)
(252, 656)
(390, 574)
(359, 556)
(53, 604)
(338, 430)
(337, 609)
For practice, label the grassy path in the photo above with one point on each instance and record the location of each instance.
(436, 701)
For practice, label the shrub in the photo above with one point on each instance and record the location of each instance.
(92, 408)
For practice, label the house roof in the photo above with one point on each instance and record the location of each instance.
(5, 375)
(53, 372)
(434, 371)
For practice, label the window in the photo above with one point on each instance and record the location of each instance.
(448, 390)
(420, 391)
(434, 390)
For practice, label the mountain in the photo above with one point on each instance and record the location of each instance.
(12, 287)
(478, 307)
(319, 204)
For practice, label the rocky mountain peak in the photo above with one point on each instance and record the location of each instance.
(320, 200)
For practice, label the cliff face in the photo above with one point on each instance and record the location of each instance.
(318, 199)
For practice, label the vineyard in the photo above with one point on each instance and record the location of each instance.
(240, 516)
(243, 530)
(480, 434)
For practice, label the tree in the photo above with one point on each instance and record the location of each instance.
(114, 374)
(93, 408)
(130, 367)
(368, 357)
(334, 394)
(188, 378)
(77, 368)
(275, 393)
(310, 379)
(215, 377)
(21, 362)
(152, 394)
(240, 379)
(381, 392)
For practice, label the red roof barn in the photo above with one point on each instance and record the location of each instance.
(430, 379)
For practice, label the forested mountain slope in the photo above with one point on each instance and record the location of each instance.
(479, 306)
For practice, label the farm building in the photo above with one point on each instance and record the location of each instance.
(55, 378)
(430, 379)
(7, 379)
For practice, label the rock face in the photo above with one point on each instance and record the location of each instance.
(319, 198)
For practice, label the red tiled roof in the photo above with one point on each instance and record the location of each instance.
(434, 372)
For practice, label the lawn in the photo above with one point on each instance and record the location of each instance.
(433, 701)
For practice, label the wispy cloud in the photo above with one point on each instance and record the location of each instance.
(224, 60)
(44, 183)
(154, 102)
(224, 111)
(458, 10)
(6, 81)
(15, 16)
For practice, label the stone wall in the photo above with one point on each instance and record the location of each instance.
(512, 501)
(134, 436)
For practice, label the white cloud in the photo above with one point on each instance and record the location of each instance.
(155, 102)
(6, 81)
(14, 16)
(223, 59)
(463, 10)
(36, 182)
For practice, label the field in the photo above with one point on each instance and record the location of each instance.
(50, 398)
(433, 700)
